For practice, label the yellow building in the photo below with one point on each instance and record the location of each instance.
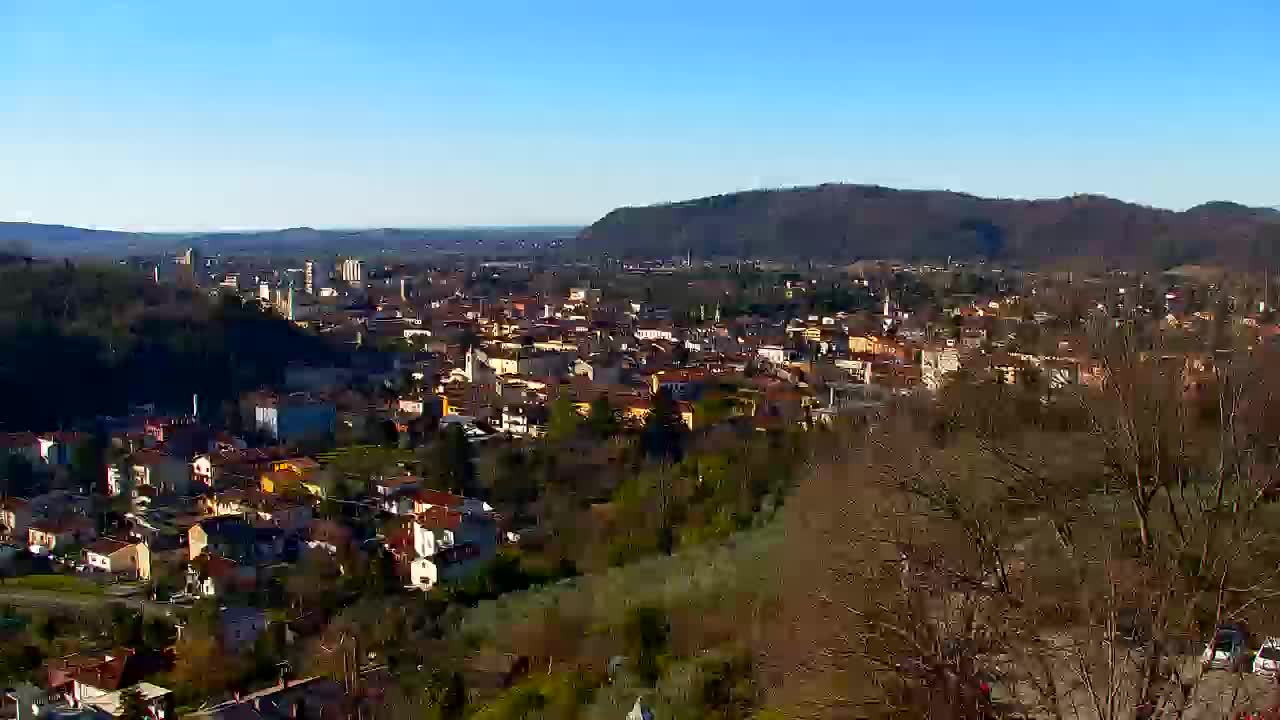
(292, 473)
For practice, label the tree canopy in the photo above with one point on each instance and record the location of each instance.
(80, 341)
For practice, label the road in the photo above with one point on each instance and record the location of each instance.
(47, 598)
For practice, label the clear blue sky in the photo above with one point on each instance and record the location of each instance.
(192, 115)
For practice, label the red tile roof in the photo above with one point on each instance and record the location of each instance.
(107, 546)
(439, 518)
(17, 441)
(439, 498)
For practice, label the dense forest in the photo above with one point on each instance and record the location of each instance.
(80, 341)
(846, 222)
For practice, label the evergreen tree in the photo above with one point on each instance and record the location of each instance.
(16, 475)
(602, 420)
(646, 632)
(88, 465)
(664, 431)
(455, 461)
(565, 420)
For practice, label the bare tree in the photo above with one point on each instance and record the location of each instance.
(1066, 574)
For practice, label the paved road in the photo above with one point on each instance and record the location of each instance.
(48, 598)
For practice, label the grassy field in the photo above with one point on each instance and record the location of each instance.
(54, 583)
(699, 575)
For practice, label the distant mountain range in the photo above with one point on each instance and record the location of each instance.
(848, 222)
(64, 241)
(828, 222)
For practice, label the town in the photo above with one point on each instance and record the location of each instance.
(477, 428)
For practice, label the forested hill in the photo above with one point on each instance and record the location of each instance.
(76, 342)
(846, 222)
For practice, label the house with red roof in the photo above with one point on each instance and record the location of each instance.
(112, 555)
(61, 532)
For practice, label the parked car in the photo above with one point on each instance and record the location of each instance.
(1229, 649)
(1267, 663)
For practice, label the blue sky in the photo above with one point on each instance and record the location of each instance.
(280, 113)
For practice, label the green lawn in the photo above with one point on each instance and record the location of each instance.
(54, 583)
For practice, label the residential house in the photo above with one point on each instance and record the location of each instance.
(117, 480)
(290, 474)
(648, 331)
(235, 468)
(450, 544)
(524, 420)
(329, 536)
(524, 362)
(936, 365)
(775, 354)
(288, 515)
(585, 295)
(232, 537)
(155, 558)
(157, 700)
(24, 444)
(60, 502)
(293, 418)
(56, 448)
(400, 503)
(682, 384)
(425, 500)
(600, 370)
(62, 532)
(388, 486)
(166, 474)
(215, 576)
(94, 682)
(419, 405)
(874, 345)
(15, 516)
(113, 556)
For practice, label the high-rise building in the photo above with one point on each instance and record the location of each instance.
(353, 270)
(315, 276)
(406, 287)
(188, 266)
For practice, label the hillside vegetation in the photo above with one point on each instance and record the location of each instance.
(76, 342)
(846, 222)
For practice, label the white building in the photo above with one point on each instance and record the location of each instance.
(524, 420)
(584, 295)
(352, 270)
(112, 556)
(775, 354)
(655, 333)
(936, 365)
